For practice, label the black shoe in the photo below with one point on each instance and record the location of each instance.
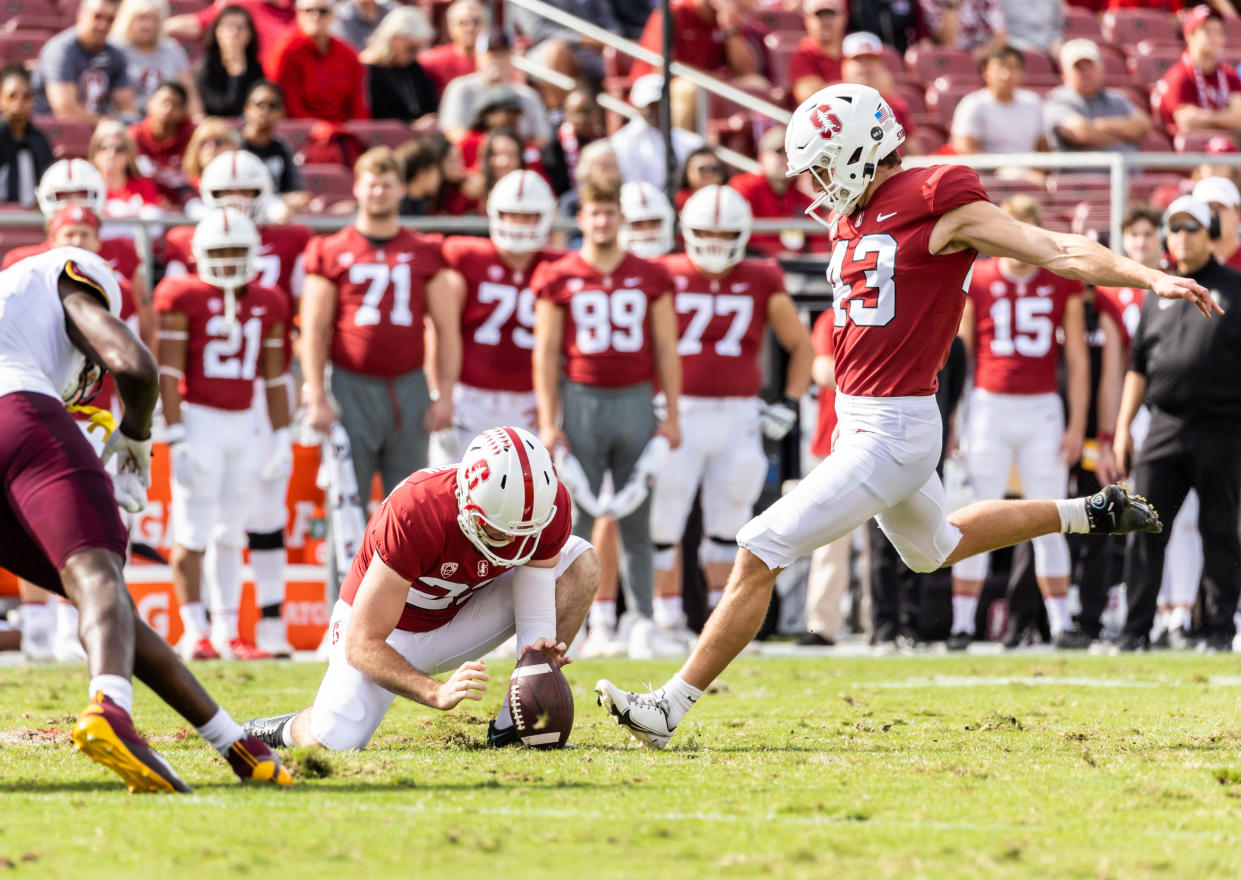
(1129, 643)
(1073, 640)
(1161, 641)
(1180, 640)
(1113, 511)
(1022, 637)
(1216, 643)
(814, 640)
(959, 641)
(498, 739)
(269, 730)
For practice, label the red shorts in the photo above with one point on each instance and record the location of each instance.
(57, 497)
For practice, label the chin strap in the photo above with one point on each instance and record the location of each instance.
(98, 419)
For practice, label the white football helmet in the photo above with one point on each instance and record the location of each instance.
(71, 176)
(839, 134)
(225, 228)
(506, 482)
(521, 192)
(237, 170)
(716, 208)
(644, 201)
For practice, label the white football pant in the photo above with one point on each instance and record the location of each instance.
(215, 503)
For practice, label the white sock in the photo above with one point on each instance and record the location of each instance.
(1180, 616)
(116, 688)
(1058, 619)
(223, 626)
(681, 697)
(36, 618)
(66, 620)
(268, 568)
(603, 614)
(194, 618)
(504, 718)
(668, 612)
(714, 597)
(963, 610)
(221, 731)
(1073, 517)
(286, 732)
(222, 569)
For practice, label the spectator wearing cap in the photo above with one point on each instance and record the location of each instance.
(1034, 25)
(272, 21)
(563, 49)
(1082, 114)
(465, 21)
(24, 150)
(1185, 369)
(397, 84)
(816, 63)
(321, 76)
(78, 74)
(356, 20)
(1002, 117)
(1221, 195)
(977, 26)
(772, 194)
(639, 144)
(1199, 93)
(464, 96)
(863, 63)
(710, 35)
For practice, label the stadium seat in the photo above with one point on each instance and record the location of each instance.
(1037, 64)
(1079, 184)
(182, 7)
(328, 182)
(1082, 23)
(33, 15)
(779, 19)
(295, 132)
(1114, 65)
(929, 136)
(914, 97)
(944, 95)
(381, 132)
(780, 56)
(929, 63)
(1195, 141)
(18, 47)
(70, 138)
(1141, 186)
(1232, 32)
(1156, 141)
(1148, 67)
(12, 237)
(1129, 26)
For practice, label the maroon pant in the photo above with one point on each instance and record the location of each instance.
(57, 497)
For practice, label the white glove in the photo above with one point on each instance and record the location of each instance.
(779, 418)
(132, 456)
(129, 491)
(645, 470)
(180, 456)
(660, 405)
(279, 462)
(570, 472)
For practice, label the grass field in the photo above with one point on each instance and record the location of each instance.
(1016, 766)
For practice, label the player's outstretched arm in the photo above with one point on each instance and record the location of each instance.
(663, 318)
(548, 339)
(318, 315)
(376, 612)
(985, 228)
(445, 294)
(794, 338)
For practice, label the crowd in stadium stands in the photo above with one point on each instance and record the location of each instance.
(352, 106)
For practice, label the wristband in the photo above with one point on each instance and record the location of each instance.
(174, 434)
(1105, 437)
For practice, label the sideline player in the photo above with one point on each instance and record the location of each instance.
(903, 244)
(219, 331)
(647, 220)
(724, 305)
(1014, 315)
(239, 179)
(58, 512)
(455, 561)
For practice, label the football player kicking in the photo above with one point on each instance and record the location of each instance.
(454, 562)
(239, 179)
(724, 304)
(219, 331)
(59, 329)
(903, 243)
(1013, 317)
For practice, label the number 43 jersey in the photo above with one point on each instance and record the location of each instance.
(898, 306)
(222, 357)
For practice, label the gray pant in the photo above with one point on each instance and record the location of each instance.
(383, 418)
(607, 429)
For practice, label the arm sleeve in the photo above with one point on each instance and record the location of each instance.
(951, 186)
(542, 283)
(120, 70)
(56, 63)
(534, 604)
(398, 533)
(313, 257)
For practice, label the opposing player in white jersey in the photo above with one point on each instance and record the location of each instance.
(455, 561)
(497, 308)
(59, 332)
(240, 180)
(903, 243)
(647, 227)
(1015, 315)
(219, 331)
(724, 305)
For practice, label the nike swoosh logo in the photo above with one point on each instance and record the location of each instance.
(879, 218)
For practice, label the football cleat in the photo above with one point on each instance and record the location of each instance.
(1074, 640)
(269, 730)
(1114, 511)
(199, 648)
(959, 641)
(105, 734)
(645, 716)
(498, 738)
(243, 650)
(253, 761)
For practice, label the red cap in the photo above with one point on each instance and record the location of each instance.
(72, 215)
(1196, 18)
(1222, 143)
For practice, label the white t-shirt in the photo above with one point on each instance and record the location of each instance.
(1014, 127)
(640, 151)
(148, 70)
(35, 351)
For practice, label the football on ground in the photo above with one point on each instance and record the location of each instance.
(541, 701)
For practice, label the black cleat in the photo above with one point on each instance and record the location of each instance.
(1073, 640)
(1216, 643)
(498, 738)
(1114, 511)
(1129, 643)
(269, 730)
(959, 641)
(1019, 636)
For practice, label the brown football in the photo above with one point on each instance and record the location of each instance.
(541, 701)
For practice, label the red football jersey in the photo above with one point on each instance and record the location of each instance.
(223, 358)
(1123, 305)
(380, 297)
(1015, 323)
(897, 305)
(607, 334)
(497, 319)
(415, 533)
(720, 323)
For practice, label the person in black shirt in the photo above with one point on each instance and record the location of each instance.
(264, 109)
(230, 66)
(1187, 370)
(24, 151)
(398, 86)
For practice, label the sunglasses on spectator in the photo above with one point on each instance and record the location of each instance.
(216, 142)
(266, 105)
(315, 10)
(710, 169)
(1187, 226)
(826, 13)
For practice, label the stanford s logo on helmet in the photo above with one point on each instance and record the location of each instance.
(827, 122)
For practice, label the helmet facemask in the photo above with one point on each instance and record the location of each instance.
(713, 254)
(521, 540)
(520, 238)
